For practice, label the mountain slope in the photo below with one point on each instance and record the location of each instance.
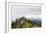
(24, 23)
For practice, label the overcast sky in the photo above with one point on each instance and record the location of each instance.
(18, 11)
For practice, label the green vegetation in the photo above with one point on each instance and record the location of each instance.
(23, 23)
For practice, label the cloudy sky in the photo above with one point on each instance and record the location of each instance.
(27, 11)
